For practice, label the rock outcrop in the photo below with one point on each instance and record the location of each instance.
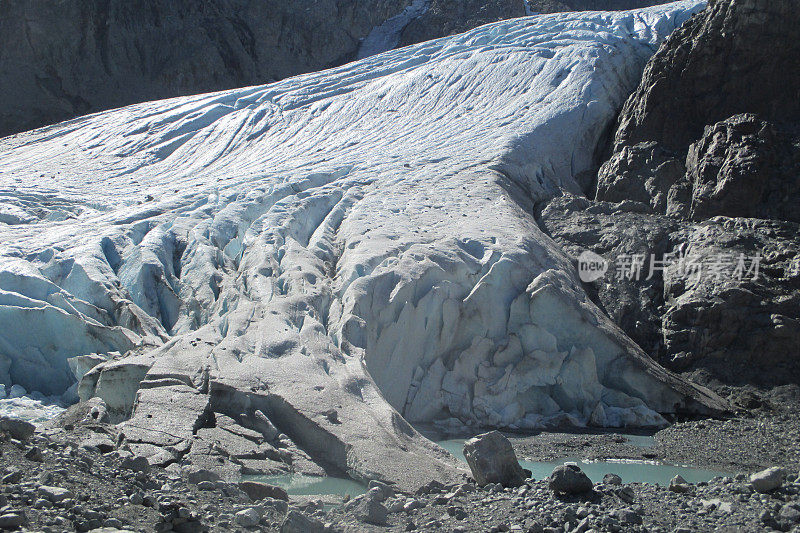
(741, 167)
(686, 87)
(712, 145)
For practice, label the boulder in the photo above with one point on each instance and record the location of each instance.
(385, 489)
(491, 459)
(34, 454)
(195, 474)
(370, 510)
(612, 479)
(247, 517)
(297, 522)
(101, 443)
(136, 463)
(680, 485)
(12, 520)
(16, 428)
(569, 479)
(55, 494)
(768, 480)
(258, 491)
(17, 391)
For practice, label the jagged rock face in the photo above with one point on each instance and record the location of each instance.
(743, 167)
(324, 259)
(740, 56)
(643, 172)
(738, 331)
(704, 139)
(741, 331)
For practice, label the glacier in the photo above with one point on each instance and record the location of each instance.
(334, 257)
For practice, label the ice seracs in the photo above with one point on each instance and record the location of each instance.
(358, 241)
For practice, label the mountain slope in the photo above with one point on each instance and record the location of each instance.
(338, 253)
(72, 57)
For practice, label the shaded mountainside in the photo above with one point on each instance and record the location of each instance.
(68, 58)
(63, 59)
(706, 166)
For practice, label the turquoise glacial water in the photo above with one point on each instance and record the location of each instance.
(630, 471)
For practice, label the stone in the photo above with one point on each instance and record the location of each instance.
(768, 480)
(612, 479)
(136, 463)
(55, 494)
(626, 494)
(247, 518)
(569, 479)
(11, 520)
(628, 516)
(34, 454)
(790, 512)
(412, 504)
(298, 522)
(491, 459)
(370, 511)
(17, 391)
(206, 485)
(678, 484)
(258, 491)
(101, 443)
(278, 506)
(196, 475)
(17, 429)
(385, 489)
(12, 477)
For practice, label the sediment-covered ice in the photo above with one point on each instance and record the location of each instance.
(337, 254)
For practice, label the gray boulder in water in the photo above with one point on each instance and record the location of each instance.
(492, 460)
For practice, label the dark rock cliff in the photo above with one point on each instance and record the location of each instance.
(739, 57)
(705, 169)
(71, 57)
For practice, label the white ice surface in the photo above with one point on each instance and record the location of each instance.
(359, 239)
